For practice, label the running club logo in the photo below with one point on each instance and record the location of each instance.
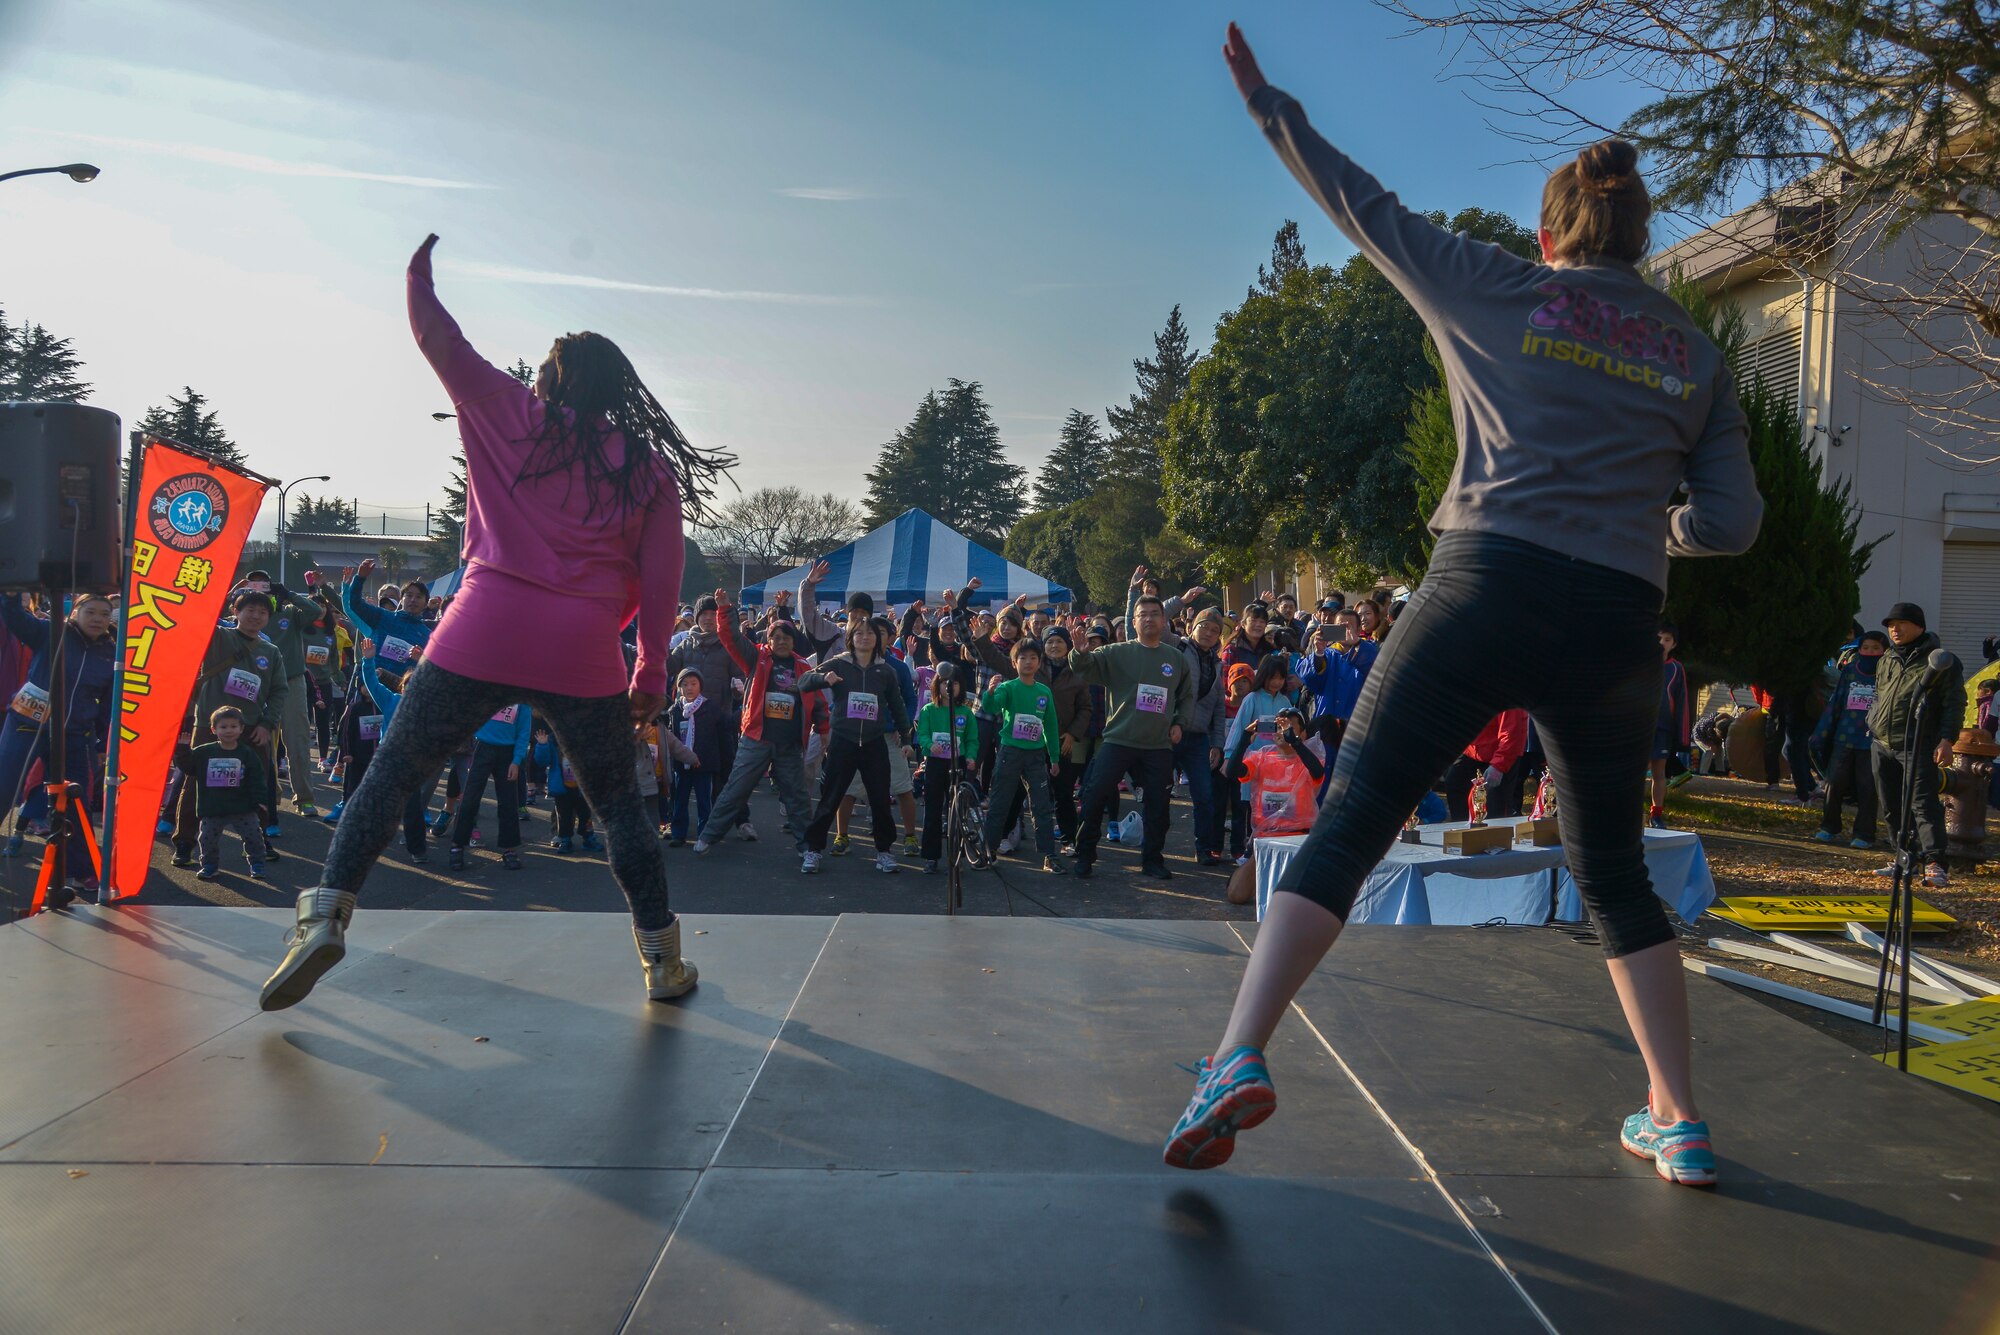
(188, 512)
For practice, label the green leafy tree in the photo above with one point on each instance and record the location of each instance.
(697, 576)
(1431, 445)
(1771, 616)
(188, 419)
(1293, 432)
(1076, 465)
(948, 462)
(329, 514)
(1288, 256)
(1139, 428)
(1122, 527)
(37, 366)
(1046, 542)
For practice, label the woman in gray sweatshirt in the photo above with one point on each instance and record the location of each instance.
(1599, 434)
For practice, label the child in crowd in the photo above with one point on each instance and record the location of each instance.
(1842, 742)
(1282, 781)
(572, 812)
(1673, 734)
(228, 778)
(1030, 750)
(948, 740)
(696, 725)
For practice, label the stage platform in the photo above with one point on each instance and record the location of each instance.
(923, 1124)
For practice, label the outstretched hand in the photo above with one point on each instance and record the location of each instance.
(421, 261)
(1242, 64)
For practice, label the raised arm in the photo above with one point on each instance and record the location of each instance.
(467, 376)
(359, 612)
(28, 628)
(1723, 511)
(1422, 259)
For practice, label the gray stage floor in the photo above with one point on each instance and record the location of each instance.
(904, 1124)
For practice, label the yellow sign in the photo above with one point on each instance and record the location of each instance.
(1800, 913)
(1972, 1065)
(1974, 1019)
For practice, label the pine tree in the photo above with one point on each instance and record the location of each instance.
(188, 420)
(948, 462)
(36, 366)
(1075, 466)
(1288, 256)
(323, 515)
(1138, 428)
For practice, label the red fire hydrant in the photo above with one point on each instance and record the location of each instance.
(1967, 784)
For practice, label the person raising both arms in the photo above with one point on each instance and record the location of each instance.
(1591, 450)
(575, 496)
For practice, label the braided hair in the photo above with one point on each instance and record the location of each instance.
(588, 376)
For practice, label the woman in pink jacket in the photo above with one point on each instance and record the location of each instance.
(575, 493)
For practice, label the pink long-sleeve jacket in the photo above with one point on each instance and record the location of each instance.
(547, 590)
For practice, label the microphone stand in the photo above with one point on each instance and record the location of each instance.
(1902, 889)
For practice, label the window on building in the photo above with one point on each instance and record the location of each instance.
(1774, 359)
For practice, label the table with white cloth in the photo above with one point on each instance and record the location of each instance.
(1422, 883)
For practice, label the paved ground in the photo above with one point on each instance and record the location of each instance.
(738, 877)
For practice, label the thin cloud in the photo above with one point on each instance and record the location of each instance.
(503, 273)
(254, 162)
(835, 194)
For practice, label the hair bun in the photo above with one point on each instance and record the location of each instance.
(1608, 166)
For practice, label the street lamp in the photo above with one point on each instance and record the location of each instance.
(80, 172)
(323, 477)
(442, 417)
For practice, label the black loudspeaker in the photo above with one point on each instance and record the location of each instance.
(59, 498)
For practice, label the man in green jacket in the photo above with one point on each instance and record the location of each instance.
(1893, 722)
(1150, 695)
(293, 619)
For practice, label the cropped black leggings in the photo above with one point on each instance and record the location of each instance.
(439, 713)
(1589, 671)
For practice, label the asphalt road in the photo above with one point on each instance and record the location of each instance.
(735, 877)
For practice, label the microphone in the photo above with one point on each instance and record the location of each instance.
(1941, 661)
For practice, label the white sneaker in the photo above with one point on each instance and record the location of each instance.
(886, 864)
(1009, 844)
(701, 845)
(747, 832)
(808, 862)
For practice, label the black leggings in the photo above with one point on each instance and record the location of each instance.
(845, 759)
(439, 713)
(1458, 657)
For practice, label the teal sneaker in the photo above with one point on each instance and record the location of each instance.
(1230, 1096)
(1680, 1153)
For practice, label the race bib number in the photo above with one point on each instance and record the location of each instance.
(569, 774)
(941, 746)
(224, 773)
(863, 705)
(653, 752)
(31, 702)
(1275, 806)
(317, 655)
(507, 715)
(1027, 728)
(243, 685)
(395, 650)
(779, 705)
(1152, 699)
(1861, 697)
(370, 727)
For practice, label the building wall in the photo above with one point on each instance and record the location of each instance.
(1889, 455)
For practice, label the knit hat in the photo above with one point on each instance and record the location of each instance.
(684, 674)
(1239, 674)
(1059, 633)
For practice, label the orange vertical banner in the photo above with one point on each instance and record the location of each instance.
(190, 519)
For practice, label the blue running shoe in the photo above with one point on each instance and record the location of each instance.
(1680, 1152)
(593, 843)
(1230, 1096)
(332, 816)
(12, 848)
(1825, 836)
(273, 830)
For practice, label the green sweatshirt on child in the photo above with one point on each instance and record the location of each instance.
(935, 725)
(1027, 714)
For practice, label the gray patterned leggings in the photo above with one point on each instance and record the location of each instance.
(439, 713)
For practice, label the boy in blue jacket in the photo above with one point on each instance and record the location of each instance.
(416, 830)
(1842, 743)
(398, 633)
(572, 812)
(498, 750)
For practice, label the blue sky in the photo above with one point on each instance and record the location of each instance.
(795, 217)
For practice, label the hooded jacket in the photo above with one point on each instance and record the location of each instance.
(756, 662)
(1845, 722)
(87, 667)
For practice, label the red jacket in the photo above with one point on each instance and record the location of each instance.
(813, 715)
(1502, 741)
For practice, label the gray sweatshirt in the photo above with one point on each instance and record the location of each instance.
(1593, 418)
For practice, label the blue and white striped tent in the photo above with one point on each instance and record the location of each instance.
(915, 556)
